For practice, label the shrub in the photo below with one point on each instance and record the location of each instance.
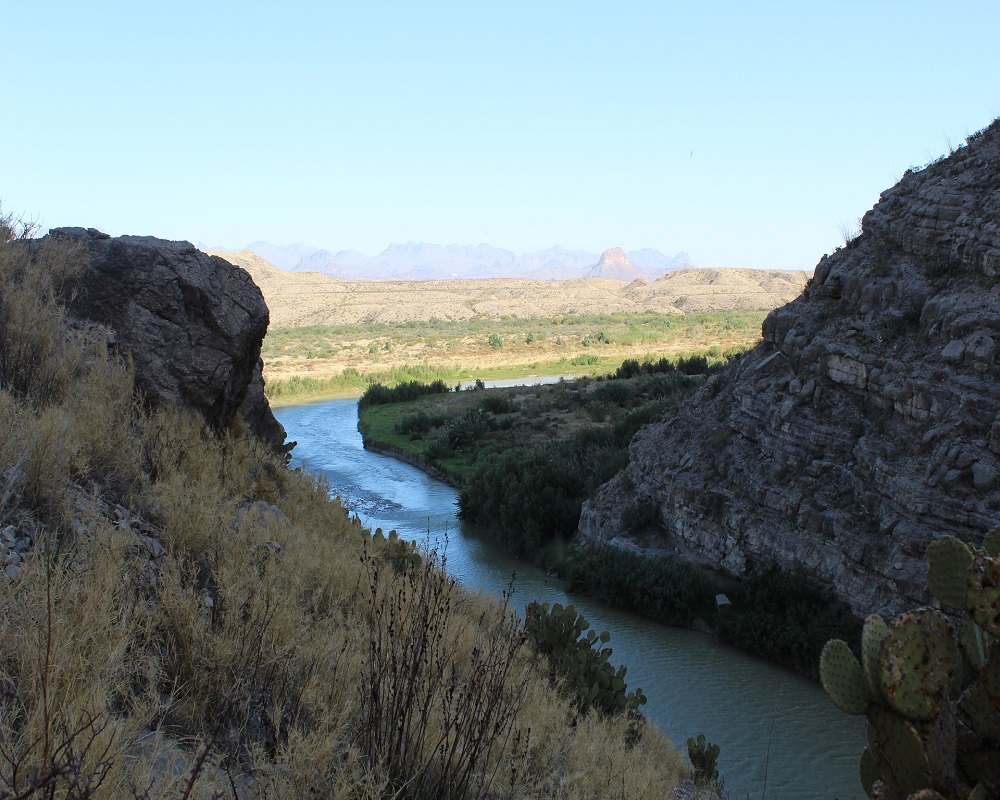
(413, 668)
(419, 424)
(497, 404)
(527, 498)
(380, 394)
(777, 615)
(693, 365)
(495, 341)
(469, 428)
(666, 589)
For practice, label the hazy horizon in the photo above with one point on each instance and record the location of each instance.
(746, 134)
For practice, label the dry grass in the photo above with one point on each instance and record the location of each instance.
(269, 650)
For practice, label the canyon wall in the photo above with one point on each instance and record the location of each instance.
(867, 422)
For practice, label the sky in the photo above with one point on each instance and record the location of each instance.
(749, 134)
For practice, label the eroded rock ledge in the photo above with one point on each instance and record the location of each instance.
(866, 424)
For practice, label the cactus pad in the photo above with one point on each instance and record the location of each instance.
(947, 562)
(983, 593)
(869, 771)
(972, 640)
(898, 751)
(991, 674)
(871, 644)
(980, 712)
(918, 663)
(941, 745)
(843, 678)
(991, 544)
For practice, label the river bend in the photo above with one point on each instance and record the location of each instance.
(778, 732)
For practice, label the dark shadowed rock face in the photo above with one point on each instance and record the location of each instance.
(192, 323)
(866, 425)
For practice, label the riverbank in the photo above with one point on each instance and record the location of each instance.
(413, 461)
(305, 388)
(526, 457)
(324, 361)
(695, 684)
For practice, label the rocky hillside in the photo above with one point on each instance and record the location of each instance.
(865, 425)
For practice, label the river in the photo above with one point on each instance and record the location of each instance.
(780, 737)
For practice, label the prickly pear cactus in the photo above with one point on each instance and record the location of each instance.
(576, 655)
(930, 689)
(918, 661)
(983, 593)
(843, 678)
(398, 552)
(948, 560)
(704, 757)
(872, 635)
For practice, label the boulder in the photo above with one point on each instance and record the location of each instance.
(192, 323)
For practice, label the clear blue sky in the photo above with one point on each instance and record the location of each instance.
(745, 133)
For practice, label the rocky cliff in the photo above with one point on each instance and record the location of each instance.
(865, 425)
(191, 323)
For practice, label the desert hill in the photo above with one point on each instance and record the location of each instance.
(865, 425)
(310, 298)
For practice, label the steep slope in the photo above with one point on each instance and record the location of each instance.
(866, 423)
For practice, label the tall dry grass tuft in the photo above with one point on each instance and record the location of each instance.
(189, 617)
(77, 671)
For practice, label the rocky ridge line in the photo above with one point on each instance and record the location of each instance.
(867, 423)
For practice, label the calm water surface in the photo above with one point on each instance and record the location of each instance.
(778, 732)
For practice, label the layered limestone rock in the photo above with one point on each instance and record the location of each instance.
(192, 323)
(865, 425)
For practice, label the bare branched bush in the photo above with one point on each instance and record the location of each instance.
(439, 712)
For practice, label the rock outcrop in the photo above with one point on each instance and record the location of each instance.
(865, 425)
(614, 265)
(192, 323)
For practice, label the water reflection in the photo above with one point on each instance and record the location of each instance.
(778, 732)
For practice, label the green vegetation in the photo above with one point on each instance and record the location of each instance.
(778, 616)
(646, 328)
(930, 691)
(379, 394)
(349, 382)
(583, 427)
(189, 618)
(526, 459)
(666, 589)
(325, 361)
(577, 656)
(525, 496)
(704, 758)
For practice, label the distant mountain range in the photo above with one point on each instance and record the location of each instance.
(422, 261)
